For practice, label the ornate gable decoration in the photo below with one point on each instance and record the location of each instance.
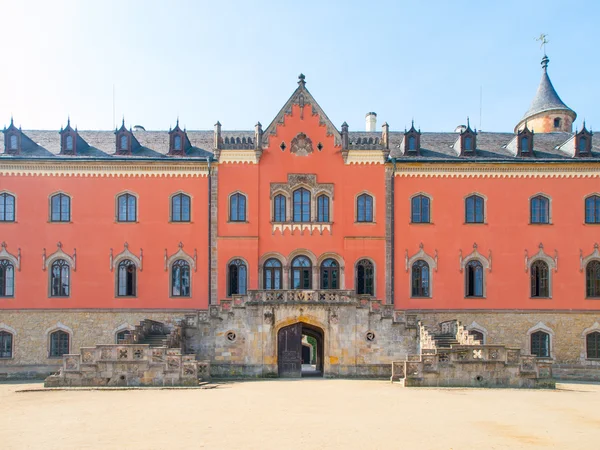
(583, 260)
(308, 180)
(302, 97)
(552, 262)
(301, 145)
(475, 255)
(126, 254)
(59, 254)
(15, 260)
(181, 254)
(432, 261)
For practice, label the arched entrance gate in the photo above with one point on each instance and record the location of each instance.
(289, 351)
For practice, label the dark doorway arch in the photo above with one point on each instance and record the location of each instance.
(290, 351)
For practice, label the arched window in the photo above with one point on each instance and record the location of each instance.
(540, 344)
(420, 209)
(180, 279)
(177, 143)
(592, 279)
(6, 344)
(364, 208)
(238, 272)
(60, 279)
(124, 142)
(477, 335)
(557, 123)
(301, 205)
(322, 208)
(14, 143)
(474, 279)
(412, 143)
(592, 209)
(301, 273)
(524, 144)
(7, 207)
(540, 282)
(330, 274)
(123, 337)
(468, 143)
(365, 277)
(237, 207)
(60, 208)
(592, 345)
(127, 208)
(582, 144)
(420, 279)
(126, 282)
(7, 278)
(540, 209)
(69, 143)
(474, 209)
(272, 277)
(180, 208)
(59, 344)
(279, 208)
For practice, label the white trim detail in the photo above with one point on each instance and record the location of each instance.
(59, 254)
(15, 260)
(9, 329)
(59, 326)
(432, 261)
(552, 262)
(583, 260)
(476, 327)
(485, 262)
(181, 254)
(126, 254)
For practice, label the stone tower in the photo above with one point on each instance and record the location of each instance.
(547, 112)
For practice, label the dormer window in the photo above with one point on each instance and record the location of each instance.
(12, 138)
(412, 141)
(178, 142)
(583, 142)
(125, 140)
(525, 142)
(68, 140)
(466, 145)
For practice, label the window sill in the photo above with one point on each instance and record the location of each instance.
(238, 221)
(474, 223)
(126, 222)
(183, 222)
(59, 296)
(126, 296)
(180, 297)
(540, 298)
(592, 298)
(58, 222)
(540, 223)
(420, 298)
(364, 223)
(420, 223)
(475, 297)
(9, 358)
(592, 223)
(8, 221)
(587, 359)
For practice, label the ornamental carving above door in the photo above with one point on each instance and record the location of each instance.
(301, 145)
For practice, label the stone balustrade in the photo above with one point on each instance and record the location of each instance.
(303, 296)
(129, 365)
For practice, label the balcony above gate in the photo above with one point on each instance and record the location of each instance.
(302, 296)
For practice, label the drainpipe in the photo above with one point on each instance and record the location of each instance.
(393, 231)
(208, 161)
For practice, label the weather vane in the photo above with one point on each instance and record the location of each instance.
(543, 39)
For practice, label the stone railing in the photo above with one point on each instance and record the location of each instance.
(301, 296)
(129, 365)
(145, 328)
(426, 341)
(175, 337)
(473, 365)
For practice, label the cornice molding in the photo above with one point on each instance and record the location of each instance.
(365, 157)
(103, 168)
(466, 170)
(238, 156)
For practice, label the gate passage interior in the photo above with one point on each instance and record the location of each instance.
(300, 351)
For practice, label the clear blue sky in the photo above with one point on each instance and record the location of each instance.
(238, 62)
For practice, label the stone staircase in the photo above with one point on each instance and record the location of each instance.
(445, 340)
(155, 340)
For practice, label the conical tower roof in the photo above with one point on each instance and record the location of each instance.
(546, 98)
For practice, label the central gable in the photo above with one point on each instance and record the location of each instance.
(302, 97)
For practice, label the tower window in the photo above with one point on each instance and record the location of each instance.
(557, 122)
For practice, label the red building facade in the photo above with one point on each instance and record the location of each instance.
(101, 230)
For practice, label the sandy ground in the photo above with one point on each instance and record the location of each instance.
(310, 413)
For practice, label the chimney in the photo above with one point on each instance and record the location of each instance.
(371, 121)
(217, 135)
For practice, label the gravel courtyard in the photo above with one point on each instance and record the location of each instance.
(310, 413)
